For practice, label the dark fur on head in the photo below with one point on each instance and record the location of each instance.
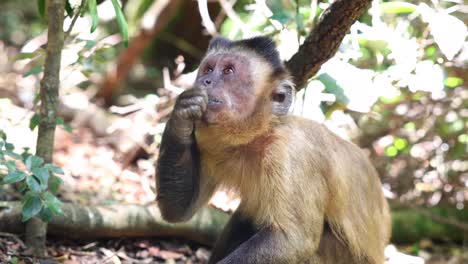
(263, 46)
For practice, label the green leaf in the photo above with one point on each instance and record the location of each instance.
(397, 7)
(42, 174)
(32, 205)
(60, 122)
(22, 187)
(121, 21)
(33, 71)
(33, 184)
(13, 155)
(453, 82)
(25, 55)
(68, 8)
(142, 8)
(400, 143)
(11, 165)
(3, 135)
(46, 214)
(333, 87)
(391, 151)
(41, 8)
(33, 162)
(37, 98)
(94, 15)
(25, 154)
(15, 176)
(9, 147)
(90, 44)
(54, 169)
(54, 183)
(53, 203)
(35, 119)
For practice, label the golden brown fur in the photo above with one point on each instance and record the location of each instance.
(336, 183)
(307, 196)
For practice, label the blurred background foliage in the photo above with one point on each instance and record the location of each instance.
(397, 86)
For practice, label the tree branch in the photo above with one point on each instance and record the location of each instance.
(325, 39)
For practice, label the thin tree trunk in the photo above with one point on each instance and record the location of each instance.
(36, 229)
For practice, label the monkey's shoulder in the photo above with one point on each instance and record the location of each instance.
(307, 135)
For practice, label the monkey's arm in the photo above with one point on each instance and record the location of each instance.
(181, 189)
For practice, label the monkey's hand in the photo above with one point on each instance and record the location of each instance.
(189, 107)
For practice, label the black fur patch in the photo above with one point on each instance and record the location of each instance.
(219, 42)
(266, 48)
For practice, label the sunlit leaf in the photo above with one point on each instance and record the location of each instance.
(35, 119)
(25, 55)
(41, 8)
(453, 82)
(32, 205)
(33, 184)
(33, 71)
(9, 147)
(142, 8)
(54, 184)
(121, 21)
(463, 138)
(331, 86)
(42, 174)
(400, 143)
(410, 127)
(54, 169)
(68, 8)
(11, 165)
(15, 176)
(397, 7)
(391, 151)
(33, 162)
(53, 203)
(94, 15)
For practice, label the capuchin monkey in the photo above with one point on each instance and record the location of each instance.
(307, 196)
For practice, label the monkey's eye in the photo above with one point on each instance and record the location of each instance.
(228, 70)
(207, 70)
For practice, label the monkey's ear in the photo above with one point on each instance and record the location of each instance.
(282, 98)
(219, 42)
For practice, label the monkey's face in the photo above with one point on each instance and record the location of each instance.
(228, 81)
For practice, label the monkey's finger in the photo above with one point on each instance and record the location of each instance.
(196, 91)
(196, 100)
(196, 112)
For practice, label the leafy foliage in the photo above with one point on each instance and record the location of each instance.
(39, 181)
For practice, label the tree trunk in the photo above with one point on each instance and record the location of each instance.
(120, 221)
(36, 229)
(409, 225)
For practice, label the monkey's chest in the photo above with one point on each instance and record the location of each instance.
(232, 170)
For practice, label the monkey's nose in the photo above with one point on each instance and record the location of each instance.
(207, 81)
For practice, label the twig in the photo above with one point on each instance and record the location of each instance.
(206, 20)
(227, 7)
(441, 219)
(77, 14)
(437, 218)
(15, 237)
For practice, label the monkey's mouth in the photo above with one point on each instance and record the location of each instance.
(215, 104)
